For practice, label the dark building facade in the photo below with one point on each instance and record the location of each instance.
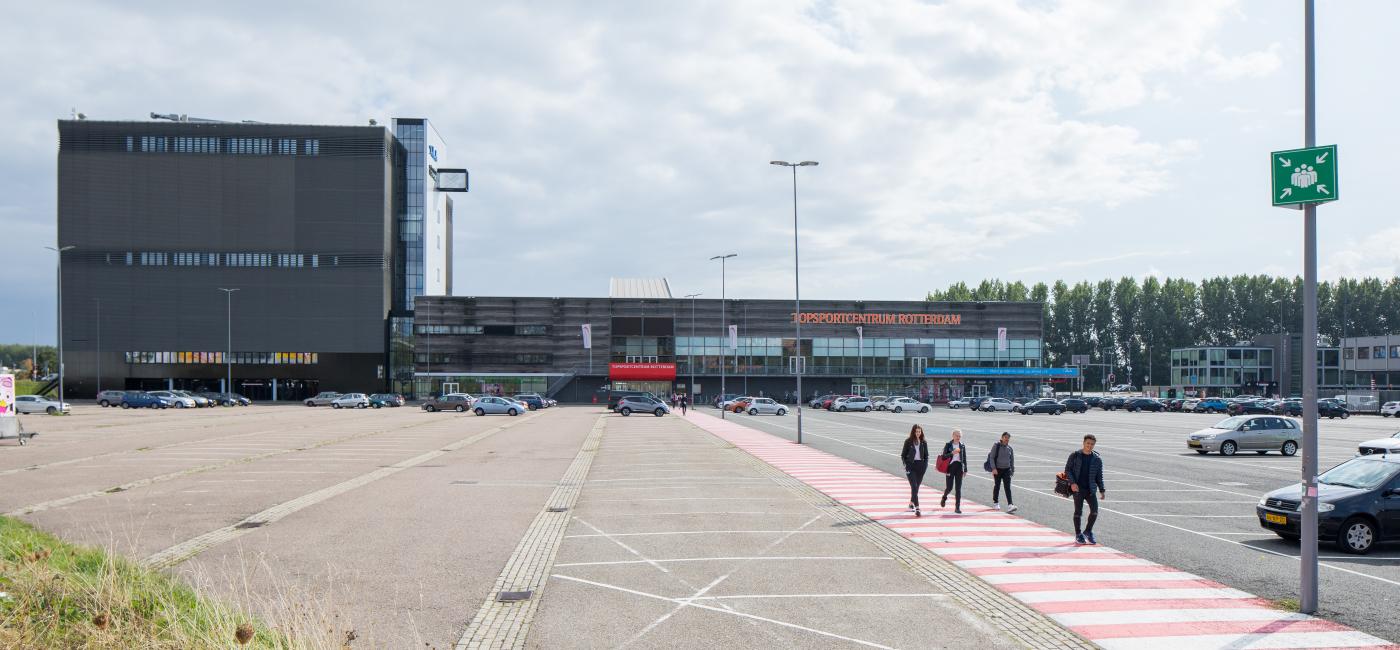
(934, 350)
(161, 216)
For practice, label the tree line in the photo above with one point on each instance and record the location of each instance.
(1136, 324)
(19, 356)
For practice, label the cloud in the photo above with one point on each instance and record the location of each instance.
(1377, 254)
(1252, 64)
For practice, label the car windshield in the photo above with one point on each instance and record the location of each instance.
(1231, 423)
(1360, 473)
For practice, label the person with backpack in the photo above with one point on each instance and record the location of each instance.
(915, 457)
(1001, 462)
(685, 402)
(956, 453)
(1084, 471)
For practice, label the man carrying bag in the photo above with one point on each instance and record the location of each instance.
(1001, 462)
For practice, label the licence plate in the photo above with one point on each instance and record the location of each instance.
(1194, 443)
(1275, 519)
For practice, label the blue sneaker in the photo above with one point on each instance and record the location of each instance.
(1079, 539)
(1090, 537)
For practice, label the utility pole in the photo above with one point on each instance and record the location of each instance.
(1307, 597)
(228, 353)
(724, 320)
(690, 349)
(60, 250)
(801, 361)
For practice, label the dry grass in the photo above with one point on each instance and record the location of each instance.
(57, 595)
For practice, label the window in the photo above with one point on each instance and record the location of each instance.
(532, 330)
(1395, 351)
(1378, 352)
(1363, 352)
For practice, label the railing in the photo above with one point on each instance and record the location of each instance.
(559, 383)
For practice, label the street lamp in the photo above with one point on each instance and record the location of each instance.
(690, 349)
(228, 355)
(797, 289)
(1278, 352)
(60, 252)
(724, 319)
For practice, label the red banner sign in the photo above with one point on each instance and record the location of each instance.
(642, 371)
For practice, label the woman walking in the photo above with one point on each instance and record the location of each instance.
(915, 457)
(957, 466)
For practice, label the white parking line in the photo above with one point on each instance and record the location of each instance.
(711, 532)
(724, 559)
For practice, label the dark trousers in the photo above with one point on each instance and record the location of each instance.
(915, 472)
(1003, 477)
(953, 483)
(1079, 498)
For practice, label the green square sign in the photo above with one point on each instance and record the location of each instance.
(1304, 175)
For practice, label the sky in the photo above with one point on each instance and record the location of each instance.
(957, 140)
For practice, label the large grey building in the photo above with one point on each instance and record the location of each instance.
(305, 222)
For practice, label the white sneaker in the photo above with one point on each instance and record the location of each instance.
(1011, 508)
(996, 506)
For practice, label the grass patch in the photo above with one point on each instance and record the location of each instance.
(58, 595)
(1287, 604)
(27, 386)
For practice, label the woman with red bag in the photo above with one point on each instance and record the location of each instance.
(915, 457)
(955, 454)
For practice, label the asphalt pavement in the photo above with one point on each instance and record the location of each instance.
(1165, 503)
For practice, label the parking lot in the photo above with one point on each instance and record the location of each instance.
(1165, 503)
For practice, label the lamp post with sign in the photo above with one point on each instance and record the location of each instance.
(724, 319)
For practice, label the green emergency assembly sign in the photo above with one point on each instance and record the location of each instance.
(1305, 175)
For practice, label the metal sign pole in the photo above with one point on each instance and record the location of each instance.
(1307, 597)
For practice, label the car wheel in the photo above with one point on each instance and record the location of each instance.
(480, 411)
(1228, 448)
(430, 408)
(179, 405)
(751, 411)
(378, 406)
(1059, 411)
(782, 411)
(625, 411)
(460, 408)
(866, 409)
(842, 409)
(899, 409)
(310, 403)
(1289, 448)
(1345, 415)
(512, 412)
(105, 404)
(1357, 536)
(51, 410)
(1202, 452)
(125, 405)
(333, 405)
(661, 411)
(923, 409)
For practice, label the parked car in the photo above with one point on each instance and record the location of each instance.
(39, 404)
(615, 395)
(852, 403)
(878, 401)
(733, 402)
(1143, 404)
(641, 404)
(1358, 505)
(959, 403)
(1112, 403)
(902, 404)
(996, 404)
(765, 406)
(1173, 404)
(817, 402)
(1250, 407)
(722, 400)
(1042, 405)
(492, 405)
(740, 405)
(177, 400)
(1122, 388)
(321, 399)
(531, 400)
(108, 398)
(1188, 405)
(974, 403)
(1093, 401)
(1075, 405)
(1389, 445)
(459, 402)
(1329, 408)
(1257, 433)
(381, 400)
(1211, 405)
(138, 399)
(351, 401)
(199, 400)
(1390, 408)
(389, 399)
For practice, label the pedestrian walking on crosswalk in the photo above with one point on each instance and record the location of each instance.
(1001, 462)
(915, 457)
(956, 453)
(1084, 470)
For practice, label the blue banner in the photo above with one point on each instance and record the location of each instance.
(1072, 373)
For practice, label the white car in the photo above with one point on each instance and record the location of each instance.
(765, 406)
(961, 402)
(180, 401)
(997, 404)
(852, 403)
(902, 404)
(880, 402)
(39, 404)
(1390, 408)
(351, 400)
(1121, 388)
(1189, 405)
(1389, 445)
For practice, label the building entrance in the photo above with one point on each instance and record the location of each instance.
(661, 389)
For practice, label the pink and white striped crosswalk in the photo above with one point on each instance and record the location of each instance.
(1116, 600)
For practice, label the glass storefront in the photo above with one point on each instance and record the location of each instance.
(480, 385)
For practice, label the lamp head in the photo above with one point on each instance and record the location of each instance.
(807, 163)
(782, 163)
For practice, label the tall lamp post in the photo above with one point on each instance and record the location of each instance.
(724, 318)
(690, 349)
(60, 252)
(228, 354)
(1278, 352)
(797, 290)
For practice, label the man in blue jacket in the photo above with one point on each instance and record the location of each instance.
(1084, 469)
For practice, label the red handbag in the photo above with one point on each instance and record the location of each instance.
(942, 464)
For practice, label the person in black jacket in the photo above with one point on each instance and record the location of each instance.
(1084, 469)
(1001, 462)
(957, 466)
(915, 457)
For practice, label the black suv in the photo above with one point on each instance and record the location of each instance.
(1358, 505)
(1330, 408)
(1144, 404)
(1112, 403)
(1074, 405)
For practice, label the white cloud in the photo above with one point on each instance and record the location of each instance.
(1251, 64)
(1376, 254)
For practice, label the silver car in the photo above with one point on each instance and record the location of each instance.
(642, 404)
(39, 404)
(902, 404)
(321, 399)
(110, 398)
(351, 401)
(959, 403)
(180, 401)
(199, 400)
(856, 403)
(1260, 434)
(996, 404)
(765, 406)
(492, 405)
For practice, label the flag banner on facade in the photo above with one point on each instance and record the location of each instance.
(860, 336)
(1001, 339)
(734, 337)
(587, 336)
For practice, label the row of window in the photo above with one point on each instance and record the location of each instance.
(254, 358)
(482, 359)
(245, 146)
(246, 260)
(489, 330)
(1372, 352)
